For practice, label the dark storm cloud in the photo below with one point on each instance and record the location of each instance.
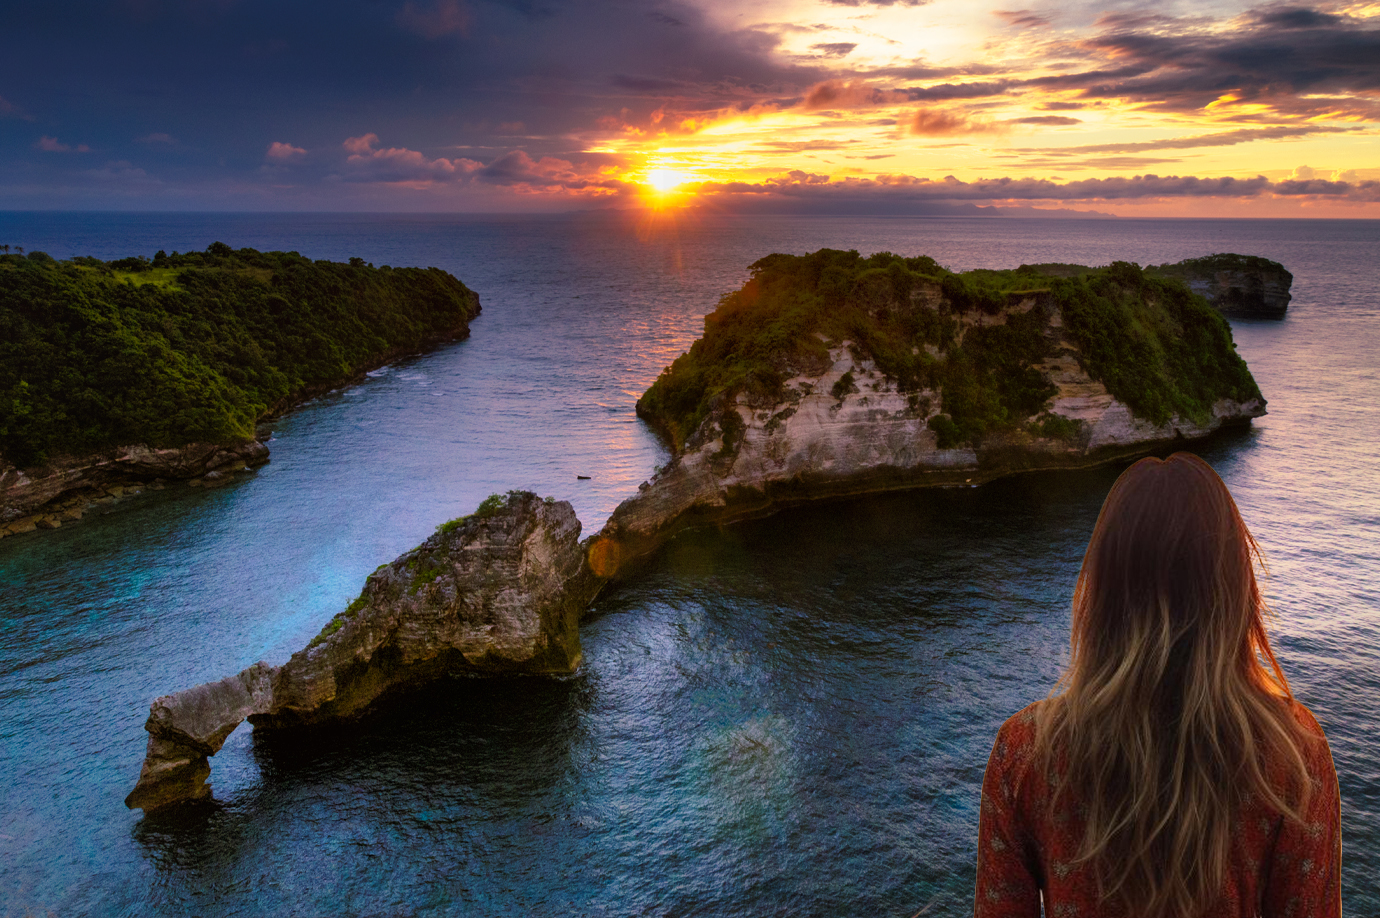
(1277, 57)
(228, 79)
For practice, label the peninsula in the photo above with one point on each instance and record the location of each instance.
(122, 372)
(826, 375)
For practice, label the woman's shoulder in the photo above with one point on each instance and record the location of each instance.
(1316, 751)
(1016, 738)
(1305, 719)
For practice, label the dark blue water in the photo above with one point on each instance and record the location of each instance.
(789, 716)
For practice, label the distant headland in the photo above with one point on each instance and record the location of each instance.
(826, 375)
(124, 374)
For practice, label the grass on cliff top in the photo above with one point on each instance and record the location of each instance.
(1221, 262)
(1156, 346)
(196, 346)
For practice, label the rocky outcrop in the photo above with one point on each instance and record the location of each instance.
(846, 430)
(24, 492)
(499, 592)
(1242, 286)
(187, 727)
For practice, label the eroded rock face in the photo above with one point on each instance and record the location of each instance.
(499, 592)
(824, 441)
(188, 726)
(22, 491)
(1242, 286)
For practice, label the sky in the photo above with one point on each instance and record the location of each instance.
(1158, 109)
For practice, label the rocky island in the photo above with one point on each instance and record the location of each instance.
(824, 376)
(115, 374)
(830, 375)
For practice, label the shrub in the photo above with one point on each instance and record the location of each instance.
(200, 348)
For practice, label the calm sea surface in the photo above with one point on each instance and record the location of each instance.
(785, 717)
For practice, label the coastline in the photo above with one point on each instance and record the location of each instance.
(60, 490)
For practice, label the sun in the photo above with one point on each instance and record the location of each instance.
(665, 181)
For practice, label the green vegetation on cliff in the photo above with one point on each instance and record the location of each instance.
(1193, 267)
(1155, 345)
(197, 346)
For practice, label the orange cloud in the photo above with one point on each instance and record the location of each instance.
(848, 95)
(938, 123)
(399, 165)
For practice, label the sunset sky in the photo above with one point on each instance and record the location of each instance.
(811, 106)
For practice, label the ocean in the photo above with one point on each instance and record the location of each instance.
(788, 716)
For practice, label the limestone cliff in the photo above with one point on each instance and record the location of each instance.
(837, 422)
(26, 495)
(500, 591)
(1242, 286)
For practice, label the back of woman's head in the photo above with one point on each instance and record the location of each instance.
(1173, 708)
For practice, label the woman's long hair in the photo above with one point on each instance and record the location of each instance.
(1173, 711)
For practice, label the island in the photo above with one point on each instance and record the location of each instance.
(121, 373)
(825, 376)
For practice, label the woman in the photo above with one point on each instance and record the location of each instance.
(1174, 776)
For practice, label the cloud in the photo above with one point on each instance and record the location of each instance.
(856, 3)
(53, 145)
(399, 164)
(9, 110)
(840, 94)
(1296, 18)
(1220, 139)
(519, 171)
(1324, 66)
(1025, 19)
(895, 190)
(834, 48)
(444, 17)
(158, 139)
(280, 152)
(361, 144)
(1052, 120)
(933, 123)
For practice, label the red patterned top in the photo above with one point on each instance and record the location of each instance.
(1279, 867)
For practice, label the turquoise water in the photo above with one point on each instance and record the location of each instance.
(789, 716)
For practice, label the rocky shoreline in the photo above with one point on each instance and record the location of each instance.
(61, 491)
(502, 590)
